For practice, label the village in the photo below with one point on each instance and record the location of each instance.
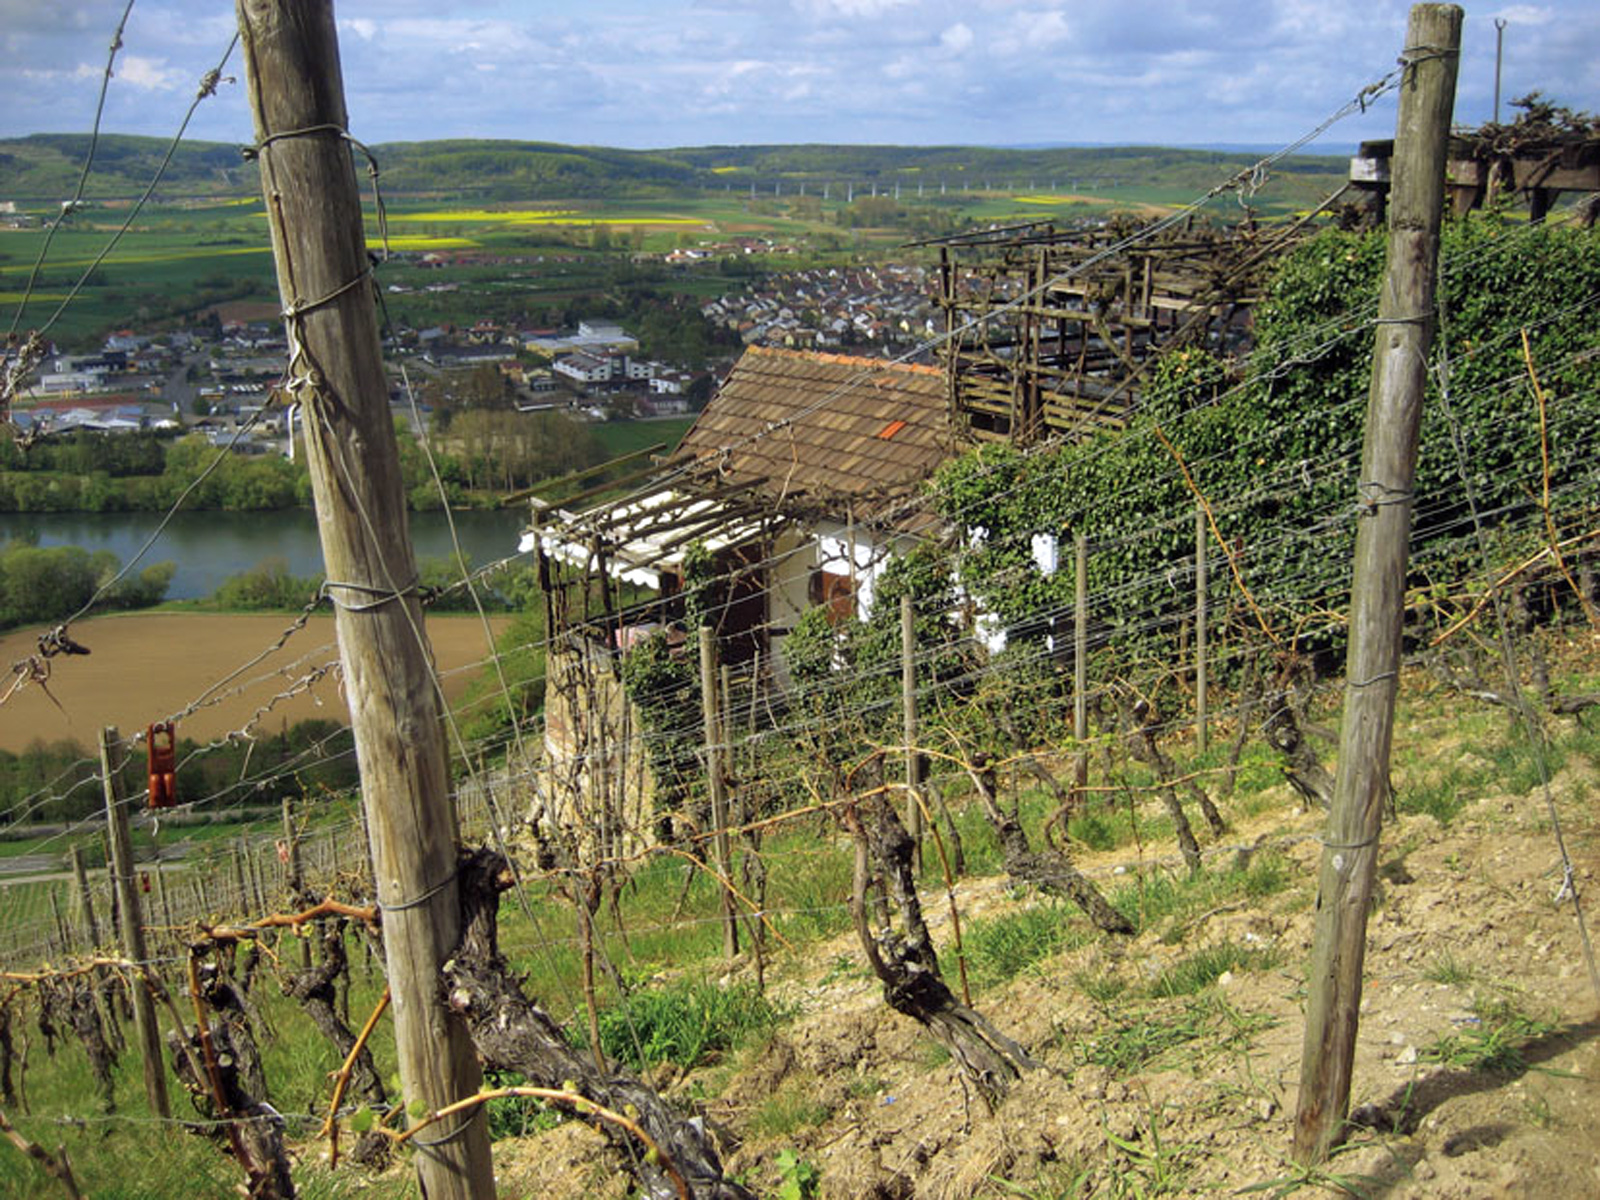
(214, 376)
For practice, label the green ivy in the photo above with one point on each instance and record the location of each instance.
(1278, 456)
(664, 688)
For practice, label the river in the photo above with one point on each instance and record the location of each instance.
(210, 546)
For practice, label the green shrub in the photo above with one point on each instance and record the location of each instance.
(267, 585)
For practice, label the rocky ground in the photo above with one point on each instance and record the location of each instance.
(1477, 1074)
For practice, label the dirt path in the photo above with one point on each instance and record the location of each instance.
(144, 666)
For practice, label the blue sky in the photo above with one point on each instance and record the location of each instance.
(657, 73)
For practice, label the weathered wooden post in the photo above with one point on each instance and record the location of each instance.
(1080, 638)
(258, 878)
(1202, 732)
(737, 805)
(710, 713)
(1080, 660)
(161, 898)
(908, 708)
(336, 373)
(1377, 608)
(85, 896)
(104, 991)
(240, 880)
(293, 880)
(68, 942)
(128, 910)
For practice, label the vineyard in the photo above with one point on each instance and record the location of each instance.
(1037, 817)
(1084, 974)
(1157, 1058)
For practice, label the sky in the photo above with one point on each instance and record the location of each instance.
(660, 73)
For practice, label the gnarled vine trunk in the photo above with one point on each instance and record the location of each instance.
(1051, 871)
(315, 990)
(908, 967)
(1144, 747)
(512, 1033)
(84, 1016)
(258, 1129)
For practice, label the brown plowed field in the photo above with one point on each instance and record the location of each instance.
(146, 666)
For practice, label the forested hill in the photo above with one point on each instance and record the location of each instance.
(46, 166)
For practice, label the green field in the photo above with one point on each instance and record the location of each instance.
(174, 262)
(625, 437)
(536, 254)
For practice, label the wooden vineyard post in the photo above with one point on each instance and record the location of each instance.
(132, 919)
(294, 881)
(85, 896)
(335, 372)
(1080, 638)
(161, 899)
(908, 706)
(91, 925)
(68, 942)
(711, 715)
(1202, 732)
(1377, 608)
(258, 882)
(1080, 660)
(236, 853)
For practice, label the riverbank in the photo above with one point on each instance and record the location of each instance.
(145, 666)
(209, 547)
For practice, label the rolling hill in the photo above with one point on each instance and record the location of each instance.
(45, 167)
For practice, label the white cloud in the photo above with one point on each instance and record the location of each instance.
(1031, 31)
(957, 38)
(849, 8)
(1526, 14)
(148, 74)
(362, 27)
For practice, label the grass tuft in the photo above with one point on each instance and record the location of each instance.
(1203, 968)
(1496, 1043)
(685, 1023)
(1000, 948)
(1447, 968)
(788, 1111)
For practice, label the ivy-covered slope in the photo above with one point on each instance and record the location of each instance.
(1274, 443)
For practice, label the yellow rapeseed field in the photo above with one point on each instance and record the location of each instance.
(531, 217)
(478, 216)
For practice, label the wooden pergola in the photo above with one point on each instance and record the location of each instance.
(1051, 332)
(1485, 166)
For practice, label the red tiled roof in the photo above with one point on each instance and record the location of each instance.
(828, 426)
